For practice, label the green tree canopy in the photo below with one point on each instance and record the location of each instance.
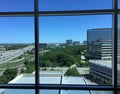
(72, 72)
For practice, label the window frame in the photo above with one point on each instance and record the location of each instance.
(36, 13)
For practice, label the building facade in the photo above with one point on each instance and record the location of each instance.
(69, 42)
(102, 69)
(99, 46)
(99, 43)
(76, 43)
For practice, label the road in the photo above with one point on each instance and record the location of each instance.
(12, 54)
(6, 56)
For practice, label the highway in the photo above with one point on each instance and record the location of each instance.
(6, 56)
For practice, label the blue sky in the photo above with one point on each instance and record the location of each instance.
(53, 29)
(118, 3)
(59, 28)
(74, 4)
(16, 29)
(28, 5)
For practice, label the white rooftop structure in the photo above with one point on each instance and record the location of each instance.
(52, 78)
(74, 80)
(105, 63)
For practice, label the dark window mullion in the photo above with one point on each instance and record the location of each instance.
(75, 12)
(14, 14)
(115, 37)
(36, 27)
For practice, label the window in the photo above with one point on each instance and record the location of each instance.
(62, 46)
(118, 3)
(118, 47)
(13, 5)
(46, 29)
(58, 5)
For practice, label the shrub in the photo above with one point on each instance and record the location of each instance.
(8, 75)
(72, 72)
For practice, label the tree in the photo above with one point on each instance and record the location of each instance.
(23, 70)
(30, 67)
(47, 63)
(87, 55)
(3, 79)
(72, 72)
(65, 59)
(8, 75)
(26, 62)
(62, 56)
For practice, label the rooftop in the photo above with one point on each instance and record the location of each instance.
(46, 77)
(104, 63)
(101, 29)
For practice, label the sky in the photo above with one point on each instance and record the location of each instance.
(52, 29)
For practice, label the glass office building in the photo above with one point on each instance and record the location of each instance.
(99, 43)
(100, 48)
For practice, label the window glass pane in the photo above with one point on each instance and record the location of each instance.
(42, 91)
(85, 92)
(16, 49)
(74, 92)
(118, 3)
(76, 50)
(57, 5)
(118, 49)
(17, 91)
(16, 5)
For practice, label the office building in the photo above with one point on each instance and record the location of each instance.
(76, 43)
(99, 43)
(84, 42)
(99, 46)
(69, 42)
(43, 46)
(102, 69)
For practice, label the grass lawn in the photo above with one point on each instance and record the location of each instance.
(11, 64)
